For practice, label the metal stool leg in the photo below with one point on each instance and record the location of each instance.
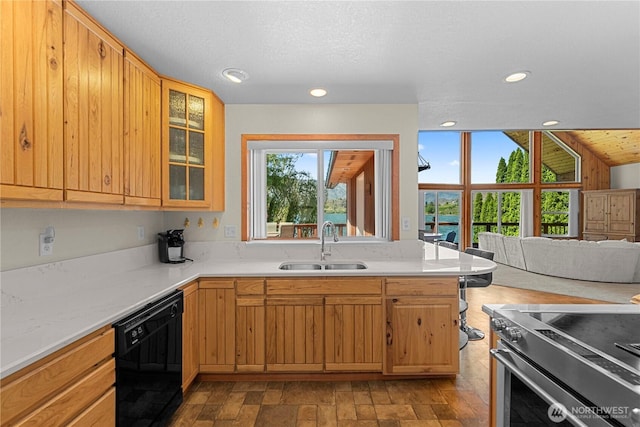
(474, 334)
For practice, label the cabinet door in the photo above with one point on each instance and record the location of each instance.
(294, 334)
(31, 128)
(621, 211)
(217, 314)
(142, 97)
(187, 132)
(595, 217)
(93, 99)
(422, 335)
(190, 353)
(353, 333)
(250, 333)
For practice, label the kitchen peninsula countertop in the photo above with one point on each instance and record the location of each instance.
(49, 306)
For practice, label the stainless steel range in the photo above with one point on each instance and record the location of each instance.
(574, 365)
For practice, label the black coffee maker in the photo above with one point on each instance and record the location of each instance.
(171, 246)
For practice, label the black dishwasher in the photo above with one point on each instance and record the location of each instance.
(149, 363)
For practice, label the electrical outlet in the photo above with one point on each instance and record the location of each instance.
(140, 232)
(230, 231)
(46, 245)
(406, 224)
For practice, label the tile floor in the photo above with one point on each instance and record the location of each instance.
(437, 402)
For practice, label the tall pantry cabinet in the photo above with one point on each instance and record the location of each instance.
(31, 100)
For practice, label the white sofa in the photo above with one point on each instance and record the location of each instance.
(604, 261)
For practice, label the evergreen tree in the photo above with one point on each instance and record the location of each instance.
(524, 174)
(501, 173)
(477, 207)
(489, 210)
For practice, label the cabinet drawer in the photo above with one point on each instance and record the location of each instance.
(431, 286)
(59, 410)
(216, 284)
(101, 413)
(250, 287)
(325, 286)
(21, 395)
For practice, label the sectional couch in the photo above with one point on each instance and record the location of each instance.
(605, 261)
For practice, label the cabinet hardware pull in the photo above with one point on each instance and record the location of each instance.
(23, 140)
(101, 50)
(107, 180)
(419, 321)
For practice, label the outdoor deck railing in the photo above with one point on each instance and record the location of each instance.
(304, 231)
(548, 228)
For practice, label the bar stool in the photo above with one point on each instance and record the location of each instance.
(475, 281)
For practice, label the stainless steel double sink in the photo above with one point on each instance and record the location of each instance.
(310, 265)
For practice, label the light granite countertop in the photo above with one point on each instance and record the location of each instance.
(49, 306)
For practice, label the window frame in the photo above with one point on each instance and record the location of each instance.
(246, 165)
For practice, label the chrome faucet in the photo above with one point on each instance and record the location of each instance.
(326, 224)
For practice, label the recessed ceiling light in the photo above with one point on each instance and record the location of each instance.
(516, 77)
(550, 123)
(318, 92)
(235, 75)
(448, 124)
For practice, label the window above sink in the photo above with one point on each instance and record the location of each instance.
(293, 183)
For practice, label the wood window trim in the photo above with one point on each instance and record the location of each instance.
(395, 173)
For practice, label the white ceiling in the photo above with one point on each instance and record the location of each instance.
(450, 57)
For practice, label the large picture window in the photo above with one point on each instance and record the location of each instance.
(295, 186)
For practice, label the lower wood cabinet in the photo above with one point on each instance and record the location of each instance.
(395, 326)
(250, 325)
(295, 334)
(353, 333)
(421, 316)
(69, 387)
(190, 336)
(217, 320)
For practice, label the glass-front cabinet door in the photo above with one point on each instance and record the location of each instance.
(189, 117)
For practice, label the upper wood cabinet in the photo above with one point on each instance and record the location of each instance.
(611, 214)
(31, 100)
(93, 119)
(192, 147)
(142, 98)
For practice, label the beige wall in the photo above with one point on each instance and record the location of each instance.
(78, 233)
(309, 119)
(626, 176)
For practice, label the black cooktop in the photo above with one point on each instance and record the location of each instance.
(610, 333)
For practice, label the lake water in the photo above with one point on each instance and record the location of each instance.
(444, 229)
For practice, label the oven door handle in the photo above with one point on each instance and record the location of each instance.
(498, 354)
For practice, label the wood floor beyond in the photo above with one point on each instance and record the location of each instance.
(437, 402)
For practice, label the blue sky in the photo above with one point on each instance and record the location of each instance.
(442, 150)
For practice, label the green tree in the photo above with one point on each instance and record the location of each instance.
(291, 194)
(477, 206)
(501, 173)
